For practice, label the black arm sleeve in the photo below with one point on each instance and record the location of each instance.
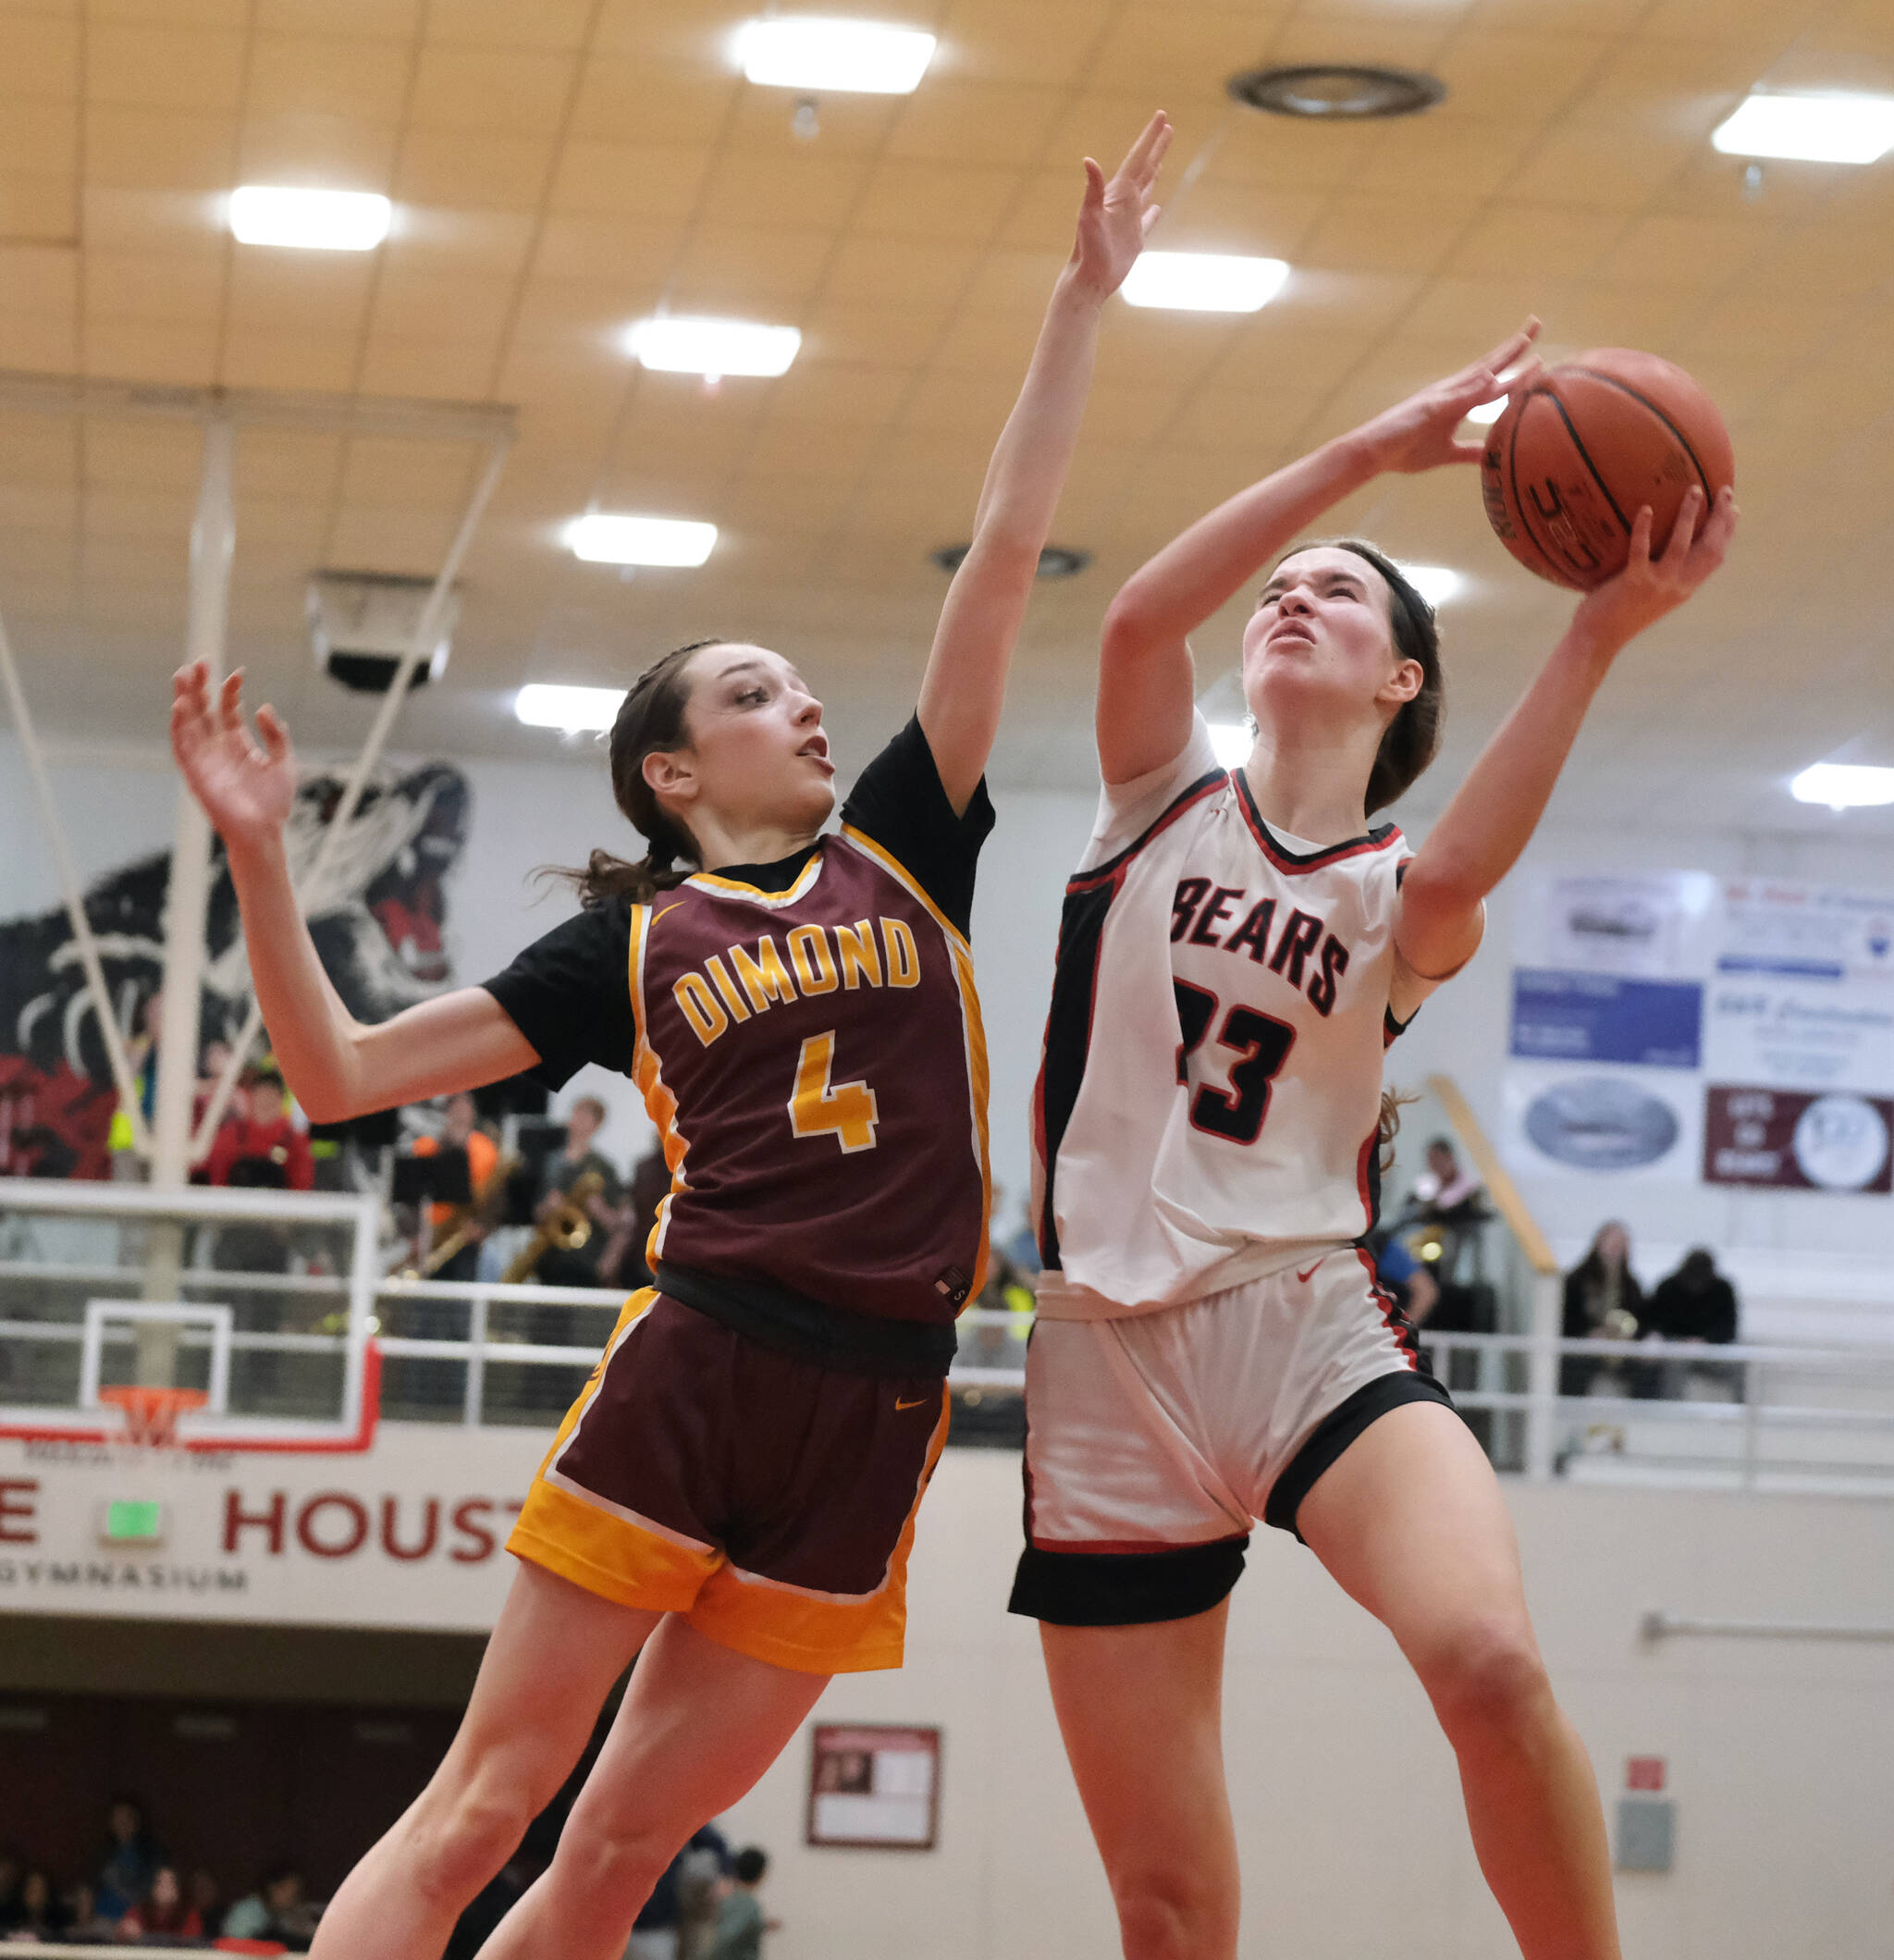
(899, 802)
(569, 993)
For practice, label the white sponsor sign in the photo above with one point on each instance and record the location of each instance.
(409, 1533)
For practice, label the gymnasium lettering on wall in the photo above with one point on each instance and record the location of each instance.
(378, 921)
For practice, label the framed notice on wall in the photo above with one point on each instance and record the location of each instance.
(874, 1787)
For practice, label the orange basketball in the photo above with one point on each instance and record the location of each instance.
(1568, 465)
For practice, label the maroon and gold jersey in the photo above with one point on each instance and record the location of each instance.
(807, 1039)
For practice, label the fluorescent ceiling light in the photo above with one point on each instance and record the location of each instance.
(1843, 785)
(1819, 128)
(1487, 413)
(1435, 584)
(1232, 741)
(314, 220)
(680, 345)
(1204, 281)
(603, 538)
(863, 56)
(572, 708)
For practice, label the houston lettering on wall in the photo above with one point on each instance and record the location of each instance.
(410, 1534)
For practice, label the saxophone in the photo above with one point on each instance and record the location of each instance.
(568, 1227)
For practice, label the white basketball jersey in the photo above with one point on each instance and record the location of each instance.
(1209, 1102)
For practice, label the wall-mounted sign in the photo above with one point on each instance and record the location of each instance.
(1797, 1141)
(874, 1787)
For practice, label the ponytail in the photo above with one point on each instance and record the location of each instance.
(650, 720)
(1392, 1103)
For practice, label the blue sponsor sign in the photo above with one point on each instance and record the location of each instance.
(1564, 1017)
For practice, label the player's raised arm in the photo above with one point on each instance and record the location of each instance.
(337, 1067)
(1147, 683)
(1497, 810)
(965, 685)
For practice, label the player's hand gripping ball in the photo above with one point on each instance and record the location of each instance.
(1584, 446)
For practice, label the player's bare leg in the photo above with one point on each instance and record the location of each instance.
(1411, 1521)
(699, 1725)
(1141, 1711)
(553, 1657)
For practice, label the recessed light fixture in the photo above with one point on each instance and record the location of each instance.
(1232, 741)
(1487, 413)
(543, 705)
(1844, 786)
(1835, 128)
(1435, 584)
(308, 220)
(862, 56)
(1204, 281)
(607, 538)
(681, 345)
(1336, 92)
(1055, 561)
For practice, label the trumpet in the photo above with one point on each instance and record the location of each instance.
(568, 1227)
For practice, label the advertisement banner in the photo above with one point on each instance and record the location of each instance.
(1790, 1141)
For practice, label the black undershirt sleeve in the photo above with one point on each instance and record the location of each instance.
(899, 802)
(569, 993)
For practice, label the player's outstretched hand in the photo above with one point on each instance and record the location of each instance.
(1115, 216)
(246, 784)
(1419, 434)
(1617, 611)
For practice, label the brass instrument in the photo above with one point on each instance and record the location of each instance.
(569, 1226)
(481, 1214)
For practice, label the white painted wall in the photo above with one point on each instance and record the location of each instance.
(1781, 1754)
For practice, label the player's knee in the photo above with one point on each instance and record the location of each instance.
(461, 1837)
(618, 1858)
(1174, 1915)
(1488, 1679)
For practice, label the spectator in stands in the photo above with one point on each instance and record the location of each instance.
(1697, 1304)
(702, 1870)
(257, 1145)
(1602, 1301)
(35, 1911)
(1446, 1197)
(164, 1909)
(84, 1922)
(1414, 1288)
(131, 1856)
(278, 1910)
(206, 1899)
(740, 1921)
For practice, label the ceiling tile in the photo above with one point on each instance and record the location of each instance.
(1696, 255)
(171, 13)
(756, 273)
(518, 89)
(558, 24)
(339, 74)
(613, 255)
(452, 168)
(154, 286)
(1045, 45)
(307, 292)
(39, 56)
(629, 99)
(787, 185)
(916, 199)
(989, 124)
(39, 137)
(324, 153)
(379, 20)
(435, 241)
(164, 66)
(656, 184)
(287, 360)
(36, 207)
(905, 272)
(39, 343)
(123, 454)
(1560, 240)
(412, 304)
(39, 277)
(1506, 77)
(180, 352)
(151, 148)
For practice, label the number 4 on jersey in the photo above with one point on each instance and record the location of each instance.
(845, 1111)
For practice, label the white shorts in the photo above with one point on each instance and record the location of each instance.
(1153, 1442)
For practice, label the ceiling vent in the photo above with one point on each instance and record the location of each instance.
(1055, 561)
(1336, 92)
(361, 622)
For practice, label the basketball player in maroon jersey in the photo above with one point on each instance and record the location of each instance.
(733, 1498)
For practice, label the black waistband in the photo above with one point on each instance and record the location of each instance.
(790, 1322)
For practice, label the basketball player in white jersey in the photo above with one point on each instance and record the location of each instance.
(1237, 950)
